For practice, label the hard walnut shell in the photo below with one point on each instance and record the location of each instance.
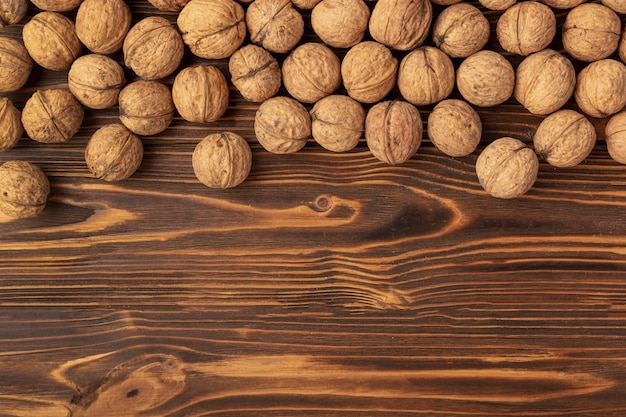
(618, 6)
(461, 30)
(113, 153)
(200, 93)
(563, 4)
(340, 23)
(102, 25)
(312, 71)
(24, 189)
(497, 4)
(485, 78)
(591, 32)
(282, 125)
(169, 5)
(213, 29)
(52, 116)
(305, 4)
(96, 80)
(255, 73)
(615, 131)
(601, 88)
(146, 107)
(274, 24)
(222, 160)
(426, 76)
(57, 5)
(51, 40)
(401, 24)
(545, 81)
(454, 128)
(369, 71)
(16, 65)
(11, 128)
(12, 11)
(338, 122)
(153, 49)
(507, 168)
(393, 131)
(526, 27)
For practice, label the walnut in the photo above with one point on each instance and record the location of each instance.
(618, 6)
(615, 132)
(255, 73)
(16, 65)
(497, 4)
(274, 24)
(369, 71)
(213, 29)
(52, 116)
(461, 30)
(24, 189)
(601, 88)
(11, 128)
(507, 168)
(102, 24)
(621, 47)
(454, 127)
(545, 81)
(393, 131)
(305, 4)
(169, 5)
(222, 160)
(426, 76)
(153, 49)
(563, 4)
(57, 5)
(445, 2)
(526, 27)
(312, 71)
(12, 11)
(485, 78)
(96, 80)
(340, 23)
(338, 122)
(591, 32)
(401, 24)
(146, 107)
(51, 40)
(113, 153)
(564, 138)
(200, 93)
(282, 125)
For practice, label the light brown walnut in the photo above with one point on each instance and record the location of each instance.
(338, 122)
(401, 24)
(255, 73)
(113, 153)
(12, 11)
(101, 25)
(485, 78)
(563, 4)
(169, 5)
(425, 76)
(52, 116)
(591, 32)
(24, 189)
(51, 40)
(11, 128)
(601, 88)
(96, 80)
(282, 125)
(222, 160)
(526, 27)
(454, 127)
(497, 4)
(618, 6)
(615, 132)
(200, 93)
(146, 107)
(461, 30)
(369, 71)
(340, 23)
(274, 24)
(16, 65)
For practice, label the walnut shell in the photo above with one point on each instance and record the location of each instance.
(426, 76)
(526, 27)
(16, 65)
(113, 153)
(282, 125)
(51, 40)
(11, 128)
(564, 138)
(24, 189)
(615, 132)
(153, 49)
(305, 4)
(338, 122)
(274, 24)
(461, 30)
(445, 2)
(401, 24)
(102, 25)
(213, 29)
(485, 78)
(200, 93)
(255, 73)
(497, 4)
(393, 131)
(621, 47)
(618, 6)
(563, 4)
(545, 81)
(146, 107)
(601, 88)
(340, 23)
(591, 32)
(312, 71)
(96, 80)
(57, 5)
(12, 11)
(52, 116)
(507, 168)
(222, 160)
(369, 71)
(169, 5)
(454, 128)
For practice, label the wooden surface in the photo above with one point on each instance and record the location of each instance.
(325, 285)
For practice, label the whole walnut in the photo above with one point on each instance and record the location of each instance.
(102, 24)
(96, 80)
(200, 93)
(11, 128)
(454, 127)
(56, 5)
(222, 160)
(12, 11)
(255, 73)
(338, 122)
(601, 88)
(497, 4)
(393, 131)
(401, 24)
(461, 30)
(213, 29)
(485, 78)
(564, 138)
(426, 76)
(563, 4)
(305, 4)
(615, 132)
(340, 23)
(169, 5)
(113, 153)
(545, 81)
(618, 6)
(507, 168)
(16, 65)
(369, 71)
(146, 107)
(526, 27)
(24, 189)
(282, 125)
(274, 24)
(311, 71)
(153, 49)
(50, 39)
(52, 116)
(591, 32)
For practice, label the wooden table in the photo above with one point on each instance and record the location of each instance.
(325, 285)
